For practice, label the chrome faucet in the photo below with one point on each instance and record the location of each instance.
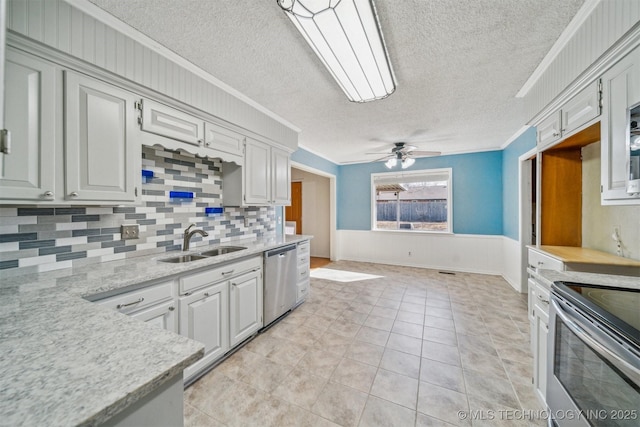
(188, 234)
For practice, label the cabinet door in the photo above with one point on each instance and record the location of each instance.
(223, 139)
(257, 173)
(621, 90)
(162, 316)
(281, 177)
(245, 306)
(581, 109)
(28, 171)
(166, 121)
(102, 156)
(204, 318)
(549, 130)
(540, 355)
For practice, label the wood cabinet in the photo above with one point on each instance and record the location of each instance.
(621, 92)
(102, 155)
(265, 178)
(575, 113)
(245, 306)
(27, 173)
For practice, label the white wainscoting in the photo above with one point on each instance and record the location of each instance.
(455, 252)
(514, 264)
(469, 253)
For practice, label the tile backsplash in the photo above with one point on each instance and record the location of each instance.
(37, 239)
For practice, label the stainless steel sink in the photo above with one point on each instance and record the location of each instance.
(222, 250)
(183, 258)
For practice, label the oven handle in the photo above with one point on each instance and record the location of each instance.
(615, 359)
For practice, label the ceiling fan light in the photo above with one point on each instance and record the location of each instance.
(346, 37)
(408, 162)
(391, 163)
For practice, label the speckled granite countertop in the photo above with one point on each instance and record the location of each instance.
(609, 280)
(67, 361)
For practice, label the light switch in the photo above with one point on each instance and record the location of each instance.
(129, 231)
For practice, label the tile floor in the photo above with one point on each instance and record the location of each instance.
(410, 349)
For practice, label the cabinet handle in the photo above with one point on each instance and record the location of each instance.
(544, 300)
(5, 141)
(73, 194)
(206, 294)
(119, 306)
(540, 263)
(172, 308)
(225, 273)
(48, 194)
(556, 134)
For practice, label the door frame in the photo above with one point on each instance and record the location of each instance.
(525, 208)
(332, 203)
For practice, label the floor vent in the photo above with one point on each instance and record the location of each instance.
(447, 272)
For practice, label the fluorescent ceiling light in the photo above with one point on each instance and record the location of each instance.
(346, 36)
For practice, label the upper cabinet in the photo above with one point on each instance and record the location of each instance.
(620, 162)
(177, 130)
(578, 111)
(95, 161)
(102, 156)
(265, 178)
(27, 171)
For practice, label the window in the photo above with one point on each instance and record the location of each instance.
(412, 201)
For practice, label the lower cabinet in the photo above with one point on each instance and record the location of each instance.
(204, 317)
(245, 307)
(304, 268)
(162, 316)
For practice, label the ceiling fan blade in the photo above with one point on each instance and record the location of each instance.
(383, 158)
(425, 153)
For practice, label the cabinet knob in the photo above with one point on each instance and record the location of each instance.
(172, 308)
(208, 143)
(206, 294)
(73, 194)
(200, 142)
(556, 134)
(48, 194)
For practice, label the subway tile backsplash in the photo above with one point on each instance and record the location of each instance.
(38, 239)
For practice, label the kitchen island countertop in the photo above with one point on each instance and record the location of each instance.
(67, 361)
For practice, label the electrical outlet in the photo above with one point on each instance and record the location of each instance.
(246, 221)
(129, 231)
(409, 253)
(616, 232)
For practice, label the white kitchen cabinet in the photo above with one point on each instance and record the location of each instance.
(578, 111)
(177, 130)
(621, 92)
(166, 121)
(220, 138)
(245, 306)
(264, 180)
(102, 155)
(304, 271)
(27, 172)
(154, 304)
(204, 317)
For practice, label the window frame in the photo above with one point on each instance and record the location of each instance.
(413, 173)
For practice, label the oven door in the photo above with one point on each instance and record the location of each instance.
(592, 379)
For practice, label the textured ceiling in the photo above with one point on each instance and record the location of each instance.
(458, 66)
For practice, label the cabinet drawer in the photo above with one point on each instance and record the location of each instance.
(303, 273)
(217, 274)
(303, 259)
(541, 300)
(303, 290)
(539, 260)
(303, 248)
(137, 300)
(166, 121)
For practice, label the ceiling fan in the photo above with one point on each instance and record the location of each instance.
(405, 154)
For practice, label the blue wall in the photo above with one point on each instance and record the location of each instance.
(477, 192)
(510, 189)
(309, 159)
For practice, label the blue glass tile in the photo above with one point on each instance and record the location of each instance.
(181, 194)
(147, 173)
(211, 211)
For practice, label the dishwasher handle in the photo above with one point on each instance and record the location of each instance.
(281, 250)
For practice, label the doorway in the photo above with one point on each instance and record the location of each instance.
(311, 209)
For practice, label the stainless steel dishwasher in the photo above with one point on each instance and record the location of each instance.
(279, 282)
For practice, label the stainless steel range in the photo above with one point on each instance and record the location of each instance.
(593, 375)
